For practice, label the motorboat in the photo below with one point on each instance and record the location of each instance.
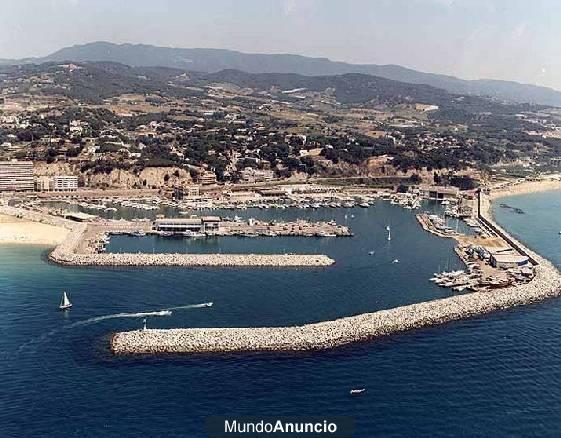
(357, 391)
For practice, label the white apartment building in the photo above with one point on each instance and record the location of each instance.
(16, 176)
(65, 183)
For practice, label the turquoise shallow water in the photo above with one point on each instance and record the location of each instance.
(495, 375)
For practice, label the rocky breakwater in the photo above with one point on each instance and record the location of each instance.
(220, 260)
(330, 334)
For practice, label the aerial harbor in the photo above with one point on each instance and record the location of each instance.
(280, 218)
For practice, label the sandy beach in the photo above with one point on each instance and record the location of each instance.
(545, 184)
(19, 231)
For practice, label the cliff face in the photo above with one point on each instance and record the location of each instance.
(150, 177)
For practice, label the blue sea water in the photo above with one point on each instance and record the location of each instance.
(497, 375)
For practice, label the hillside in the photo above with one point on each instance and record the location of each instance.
(213, 60)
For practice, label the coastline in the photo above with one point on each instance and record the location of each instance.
(525, 187)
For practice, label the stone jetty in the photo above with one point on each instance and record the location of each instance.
(330, 334)
(221, 260)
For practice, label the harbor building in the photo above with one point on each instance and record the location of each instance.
(195, 224)
(507, 258)
(439, 193)
(16, 176)
(65, 183)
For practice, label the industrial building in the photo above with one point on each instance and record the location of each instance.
(16, 176)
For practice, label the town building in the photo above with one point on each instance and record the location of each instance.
(16, 176)
(249, 174)
(65, 183)
(190, 191)
(44, 184)
(208, 178)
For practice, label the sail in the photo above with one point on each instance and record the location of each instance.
(65, 301)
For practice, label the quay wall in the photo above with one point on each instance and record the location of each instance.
(330, 334)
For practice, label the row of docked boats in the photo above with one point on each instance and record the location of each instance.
(458, 280)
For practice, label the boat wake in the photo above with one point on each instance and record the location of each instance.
(96, 319)
(192, 306)
(120, 315)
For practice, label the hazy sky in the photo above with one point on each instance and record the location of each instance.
(503, 39)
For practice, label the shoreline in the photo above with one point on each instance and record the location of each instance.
(526, 187)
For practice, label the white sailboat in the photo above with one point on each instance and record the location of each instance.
(65, 302)
(389, 232)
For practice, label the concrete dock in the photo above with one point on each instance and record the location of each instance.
(74, 250)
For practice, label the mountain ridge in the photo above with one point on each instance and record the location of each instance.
(214, 60)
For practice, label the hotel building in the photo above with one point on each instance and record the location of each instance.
(16, 176)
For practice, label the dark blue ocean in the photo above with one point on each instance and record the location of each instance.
(498, 375)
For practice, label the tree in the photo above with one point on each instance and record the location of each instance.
(463, 182)
(415, 179)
